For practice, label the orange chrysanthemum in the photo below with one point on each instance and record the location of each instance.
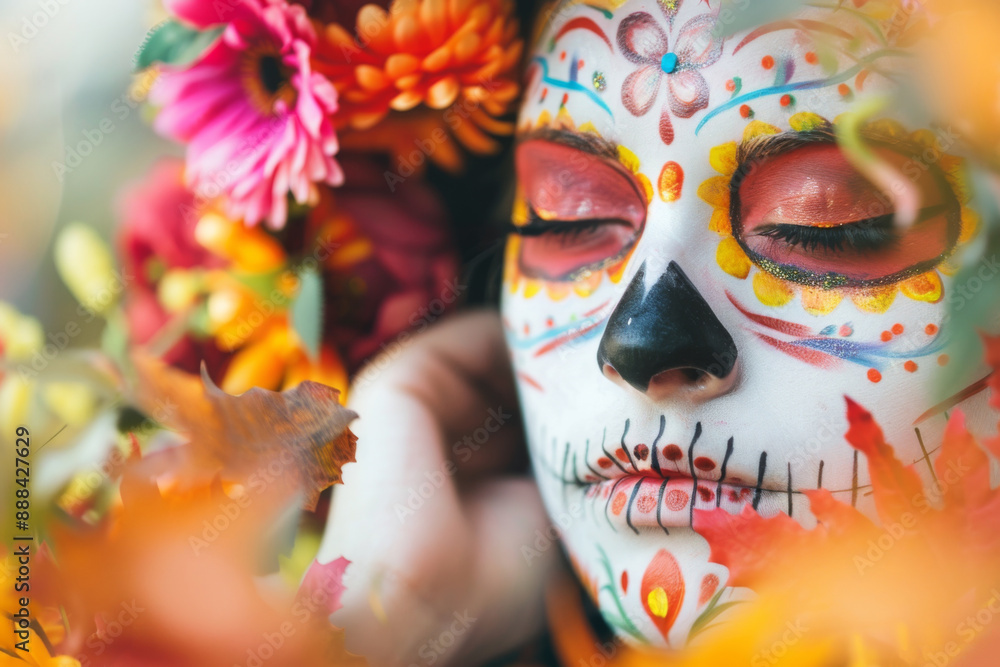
(457, 58)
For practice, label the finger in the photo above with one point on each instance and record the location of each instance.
(398, 516)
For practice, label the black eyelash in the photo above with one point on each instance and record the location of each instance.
(866, 235)
(569, 229)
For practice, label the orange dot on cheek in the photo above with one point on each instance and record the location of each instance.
(844, 89)
(943, 360)
(746, 111)
(886, 336)
(767, 62)
(874, 375)
(812, 58)
(910, 366)
(931, 329)
(897, 329)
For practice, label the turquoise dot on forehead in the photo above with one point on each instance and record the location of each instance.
(668, 63)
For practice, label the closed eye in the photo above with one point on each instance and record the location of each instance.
(581, 211)
(801, 210)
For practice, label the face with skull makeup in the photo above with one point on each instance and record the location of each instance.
(702, 273)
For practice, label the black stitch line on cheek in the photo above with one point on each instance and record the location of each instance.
(854, 481)
(761, 468)
(789, 488)
(563, 475)
(631, 500)
(694, 479)
(576, 472)
(586, 461)
(614, 459)
(656, 459)
(722, 472)
(659, 505)
(625, 447)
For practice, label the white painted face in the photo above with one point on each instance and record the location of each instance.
(702, 276)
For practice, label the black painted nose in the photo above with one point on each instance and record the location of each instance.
(667, 339)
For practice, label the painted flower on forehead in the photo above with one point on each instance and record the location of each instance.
(254, 114)
(643, 42)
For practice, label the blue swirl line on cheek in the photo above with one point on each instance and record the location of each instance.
(555, 332)
(570, 85)
(802, 85)
(873, 355)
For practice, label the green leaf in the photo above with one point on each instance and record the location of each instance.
(710, 614)
(307, 311)
(174, 43)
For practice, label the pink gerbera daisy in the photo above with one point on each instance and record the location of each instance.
(254, 115)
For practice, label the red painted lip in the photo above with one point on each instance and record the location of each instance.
(648, 501)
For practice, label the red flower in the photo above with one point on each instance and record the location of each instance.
(158, 216)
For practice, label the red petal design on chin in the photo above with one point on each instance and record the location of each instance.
(662, 591)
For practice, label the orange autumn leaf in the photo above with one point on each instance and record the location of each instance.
(298, 437)
(170, 579)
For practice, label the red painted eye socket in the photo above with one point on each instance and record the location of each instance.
(584, 211)
(811, 214)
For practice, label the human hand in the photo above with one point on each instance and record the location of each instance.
(432, 516)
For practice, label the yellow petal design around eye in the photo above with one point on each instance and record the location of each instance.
(519, 216)
(586, 286)
(954, 172)
(558, 291)
(876, 299)
(715, 191)
(806, 121)
(820, 301)
(531, 288)
(756, 128)
(732, 259)
(969, 226)
(647, 187)
(926, 139)
(888, 127)
(925, 287)
(720, 222)
(771, 291)
(723, 158)
(629, 159)
(615, 273)
(659, 604)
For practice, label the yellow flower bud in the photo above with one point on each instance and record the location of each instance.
(85, 264)
(20, 335)
(178, 289)
(15, 402)
(72, 402)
